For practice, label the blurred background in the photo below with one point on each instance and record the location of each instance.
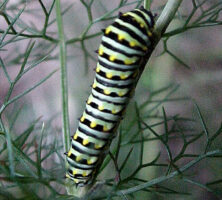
(186, 65)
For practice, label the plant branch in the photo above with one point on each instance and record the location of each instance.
(46, 37)
(166, 17)
(64, 84)
(147, 4)
(171, 175)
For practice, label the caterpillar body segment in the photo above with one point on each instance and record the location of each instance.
(124, 45)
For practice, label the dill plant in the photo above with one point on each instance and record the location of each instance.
(32, 163)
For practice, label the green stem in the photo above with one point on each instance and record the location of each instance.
(171, 175)
(46, 37)
(64, 85)
(147, 4)
(166, 16)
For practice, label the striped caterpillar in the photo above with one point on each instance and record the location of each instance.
(125, 44)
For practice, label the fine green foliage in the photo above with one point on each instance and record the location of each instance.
(198, 17)
(32, 165)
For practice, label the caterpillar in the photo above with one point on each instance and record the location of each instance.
(124, 46)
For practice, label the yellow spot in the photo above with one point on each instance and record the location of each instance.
(132, 43)
(112, 58)
(74, 172)
(109, 75)
(141, 25)
(75, 136)
(123, 76)
(76, 181)
(106, 91)
(128, 61)
(94, 85)
(97, 69)
(69, 153)
(93, 124)
(121, 37)
(100, 51)
(114, 111)
(97, 146)
(89, 101)
(85, 142)
(101, 107)
(145, 48)
(67, 176)
(125, 14)
(105, 128)
(84, 174)
(89, 162)
(108, 29)
(149, 34)
(78, 158)
(82, 119)
(120, 93)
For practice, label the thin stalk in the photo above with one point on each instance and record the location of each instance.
(147, 4)
(64, 85)
(166, 16)
(46, 37)
(171, 175)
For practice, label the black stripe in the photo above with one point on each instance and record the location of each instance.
(131, 20)
(117, 61)
(115, 77)
(99, 117)
(112, 94)
(76, 166)
(82, 180)
(94, 105)
(150, 15)
(114, 36)
(115, 103)
(114, 68)
(108, 84)
(98, 127)
(83, 151)
(91, 135)
(79, 176)
(90, 145)
(142, 16)
(109, 46)
(130, 32)
(80, 140)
